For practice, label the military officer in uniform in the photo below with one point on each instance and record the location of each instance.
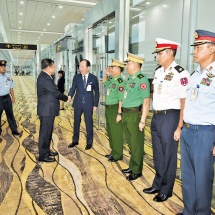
(135, 107)
(6, 89)
(113, 108)
(198, 134)
(170, 84)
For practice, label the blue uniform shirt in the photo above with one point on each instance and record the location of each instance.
(202, 110)
(6, 82)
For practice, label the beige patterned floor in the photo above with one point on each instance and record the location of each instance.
(80, 182)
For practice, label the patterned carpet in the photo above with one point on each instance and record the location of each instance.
(80, 182)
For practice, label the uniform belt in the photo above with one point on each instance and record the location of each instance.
(198, 127)
(5, 96)
(132, 109)
(165, 111)
(111, 106)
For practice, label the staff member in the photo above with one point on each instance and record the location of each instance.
(6, 89)
(170, 84)
(85, 86)
(47, 108)
(113, 108)
(135, 107)
(198, 134)
(61, 86)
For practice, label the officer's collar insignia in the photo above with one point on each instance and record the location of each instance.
(210, 68)
(3, 63)
(210, 75)
(170, 68)
(196, 35)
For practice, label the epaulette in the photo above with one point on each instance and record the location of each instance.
(140, 76)
(179, 68)
(158, 67)
(119, 80)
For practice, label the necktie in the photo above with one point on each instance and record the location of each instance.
(84, 80)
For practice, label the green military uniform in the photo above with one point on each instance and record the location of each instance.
(137, 89)
(115, 91)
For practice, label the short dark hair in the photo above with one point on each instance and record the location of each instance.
(121, 69)
(88, 64)
(61, 72)
(46, 62)
(174, 52)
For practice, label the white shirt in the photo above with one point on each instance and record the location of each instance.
(86, 76)
(169, 87)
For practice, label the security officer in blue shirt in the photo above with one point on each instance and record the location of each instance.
(198, 134)
(6, 89)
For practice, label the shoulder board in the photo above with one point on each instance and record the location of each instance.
(158, 67)
(179, 68)
(140, 76)
(119, 80)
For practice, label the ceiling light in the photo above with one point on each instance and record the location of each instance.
(20, 28)
(41, 34)
(20, 21)
(19, 32)
(48, 23)
(148, 2)
(20, 14)
(53, 17)
(60, 6)
(79, 2)
(19, 36)
(135, 9)
(38, 37)
(44, 29)
(22, 2)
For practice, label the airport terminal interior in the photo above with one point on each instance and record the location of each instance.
(67, 31)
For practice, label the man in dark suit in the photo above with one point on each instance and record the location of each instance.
(47, 108)
(86, 89)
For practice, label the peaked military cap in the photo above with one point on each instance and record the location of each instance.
(135, 58)
(117, 63)
(162, 44)
(3, 62)
(202, 37)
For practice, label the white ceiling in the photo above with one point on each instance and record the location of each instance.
(38, 21)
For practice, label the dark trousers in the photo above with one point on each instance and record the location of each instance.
(114, 131)
(88, 117)
(165, 147)
(6, 105)
(45, 135)
(197, 169)
(135, 139)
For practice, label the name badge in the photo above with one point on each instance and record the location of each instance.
(89, 87)
(194, 94)
(159, 89)
(125, 94)
(6, 85)
(108, 92)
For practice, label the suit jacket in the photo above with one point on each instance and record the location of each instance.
(90, 93)
(60, 84)
(48, 96)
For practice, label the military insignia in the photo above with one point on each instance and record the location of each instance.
(143, 86)
(210, 75)
(184, 81)
(140, 76)
(121, 88)
(170, 68)
(210, 68)
(179, 68)
(170, 73)
(120, 80)
(113, 86)
(3, 62)
(8, 79)
(168, 77)
(206, 81)
(132, 84)
(196, 35)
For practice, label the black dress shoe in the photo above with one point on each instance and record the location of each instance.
(150, 190)
(88, 146)
(133, 176)
(51, 153)
(62, 109)
(72, 144)
(127, 170)
(16, 133)
(113, 159)
(48, 159)
(161, 197)
(179, 214)
(108, 156)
